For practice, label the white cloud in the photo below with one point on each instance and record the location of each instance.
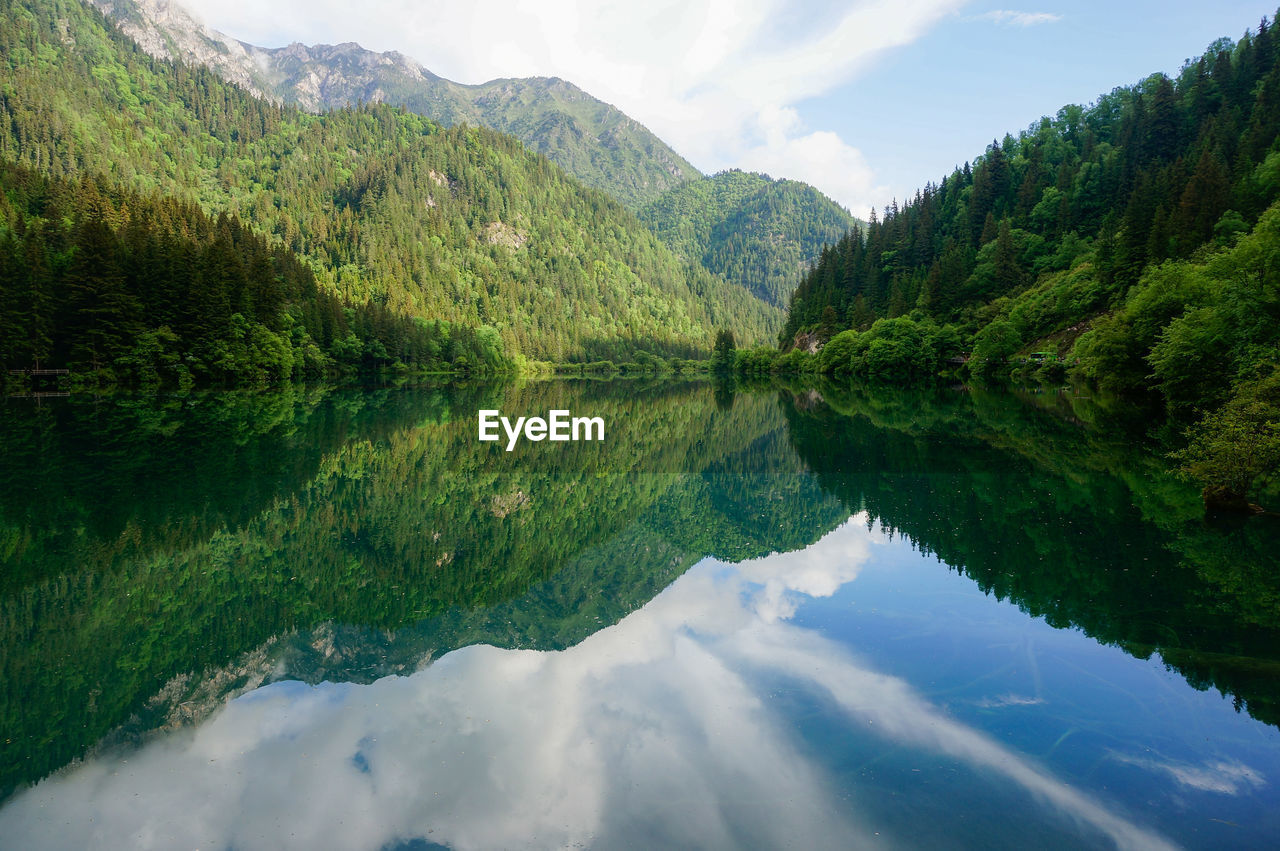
(659, 731)
(818, 570)
(708, 76)
(823, 159)
(1009, 18)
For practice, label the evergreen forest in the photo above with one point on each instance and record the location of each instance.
(1133, 243)
(400, 220)
(755, 231)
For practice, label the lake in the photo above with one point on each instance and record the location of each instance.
(752, 616)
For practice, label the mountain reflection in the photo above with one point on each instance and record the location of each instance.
(162, 557)
(659, 731)
(155, 550)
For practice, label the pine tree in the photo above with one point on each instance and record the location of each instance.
(1206, 198)
(1008, 273)
(37, 299)
(103, 317)
(861, 315)
(722, 355)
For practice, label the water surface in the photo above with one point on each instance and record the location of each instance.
(752, 617)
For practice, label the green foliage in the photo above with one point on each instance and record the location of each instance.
(462, 225)
(795, 362)
(894, 350)
(995, 344)
(154, 357)
(758, 361)
(1050, 230)
(722, 353)
(1056, 301)
(96, 278)
(1187, 363)
(1235, 450)
(1192, 329)
(1112, 353)
(999, 264)
(836, 357)
(754, 231)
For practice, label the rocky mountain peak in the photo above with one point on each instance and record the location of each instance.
(606, 149)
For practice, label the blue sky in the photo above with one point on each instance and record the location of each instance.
(939, 101)
(866, 99)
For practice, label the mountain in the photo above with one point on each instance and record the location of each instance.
(1121, 234)
(388, 208)
(151, 290)
(1134, 241)
(590, 139)
(755, 231)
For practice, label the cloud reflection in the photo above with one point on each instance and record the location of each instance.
(1227, 777)
(654, 732)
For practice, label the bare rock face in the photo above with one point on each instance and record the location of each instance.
(325, 76)
(807, 341)
(505, 504)
(167, 31)
(498, 233)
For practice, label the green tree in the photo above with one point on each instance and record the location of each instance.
(1235, 450)
(995, 344)
(724, 351)
(102, 314)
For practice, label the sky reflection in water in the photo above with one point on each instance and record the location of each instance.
(700, 720)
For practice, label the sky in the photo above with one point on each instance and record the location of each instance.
(865, 99)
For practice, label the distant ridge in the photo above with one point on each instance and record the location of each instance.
(391, 212)
(590, 139)
(760, 233)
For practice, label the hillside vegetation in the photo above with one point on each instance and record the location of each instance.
(149, 291)
(755, 231)
(1136, 240)
(389, 209)
(590, 139)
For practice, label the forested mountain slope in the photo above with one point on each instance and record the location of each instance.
(755, 231)
(1080, 204)
(389, 209)
(588, 138)
(1137, 239)
(151, 290)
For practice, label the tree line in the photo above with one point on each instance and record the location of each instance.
(1132, 241)
(389, 209)
(139, 289)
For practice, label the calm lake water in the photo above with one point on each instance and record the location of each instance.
(751, 617)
